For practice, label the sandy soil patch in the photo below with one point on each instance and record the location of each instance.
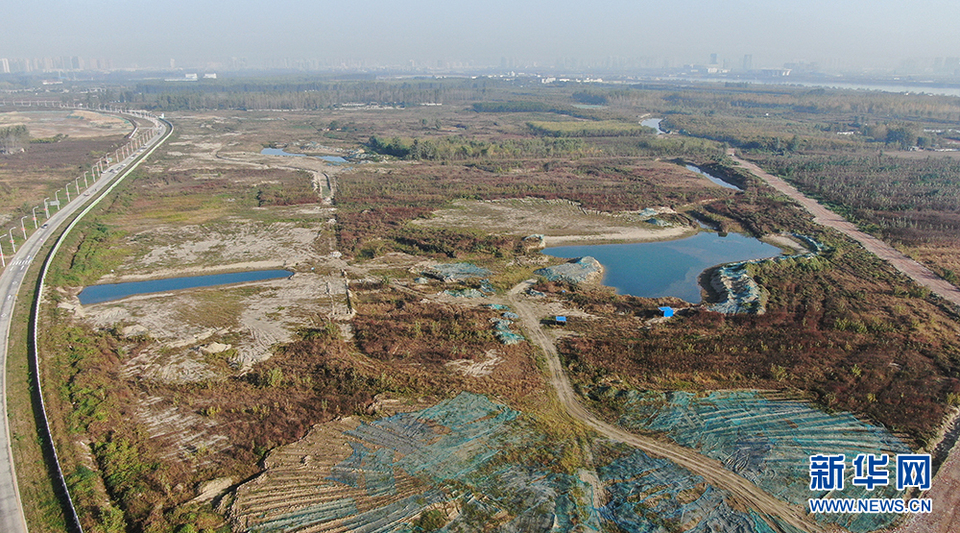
(476, 369)
(76, 124)
(561, 222)
(189, 435)
(253, 317)
(785, 242)
(169, 251)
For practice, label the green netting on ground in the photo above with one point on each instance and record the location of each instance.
(374, 466)
(456, 271)
(576, 271)
(501, 329)
(486, 287)
(455, 446)
(740, 293)
(464, 293)
(385, 519)
(651, 495)
(767, 441)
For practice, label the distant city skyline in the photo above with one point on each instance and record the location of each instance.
(835, 35)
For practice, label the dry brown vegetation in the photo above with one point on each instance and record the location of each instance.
(857, 343)
(419, 338)
(376, 205)
(844, 327)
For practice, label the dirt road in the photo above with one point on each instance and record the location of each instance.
(745, 492)
(824, 216)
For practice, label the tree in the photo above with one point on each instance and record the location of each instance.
(13, 139)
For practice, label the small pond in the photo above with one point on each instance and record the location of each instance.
(327, 158)
(667, 268)
(653, 123)
(713, 178)
(95, 294)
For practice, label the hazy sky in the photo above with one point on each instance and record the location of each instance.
(875, 32)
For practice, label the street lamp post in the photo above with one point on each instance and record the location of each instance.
(56, 196)
(77, 183)
(46, 208)
(12, 242)
(22, 228)
(85, 180)
(35, 226)
(67, 188)
(3, 262)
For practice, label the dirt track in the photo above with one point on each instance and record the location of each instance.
(824, 216)
(745, 492)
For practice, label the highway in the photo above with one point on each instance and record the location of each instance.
(14, 276)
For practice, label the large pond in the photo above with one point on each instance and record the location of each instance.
(667, 268)
(327, 158)
(95, 294)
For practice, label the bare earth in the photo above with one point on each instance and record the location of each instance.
(559, 221)
(73, 123)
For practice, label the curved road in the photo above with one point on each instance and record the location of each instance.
(13, 277)
(743, 491)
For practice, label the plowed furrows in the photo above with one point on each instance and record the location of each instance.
(278, 499)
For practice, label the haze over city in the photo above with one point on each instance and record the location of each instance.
(853, 34)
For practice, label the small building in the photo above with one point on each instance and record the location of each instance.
(560, 320)
(667, 312)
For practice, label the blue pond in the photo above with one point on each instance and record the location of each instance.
(327, 158)
(712, 178)
(95, 294)
(668, 268)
